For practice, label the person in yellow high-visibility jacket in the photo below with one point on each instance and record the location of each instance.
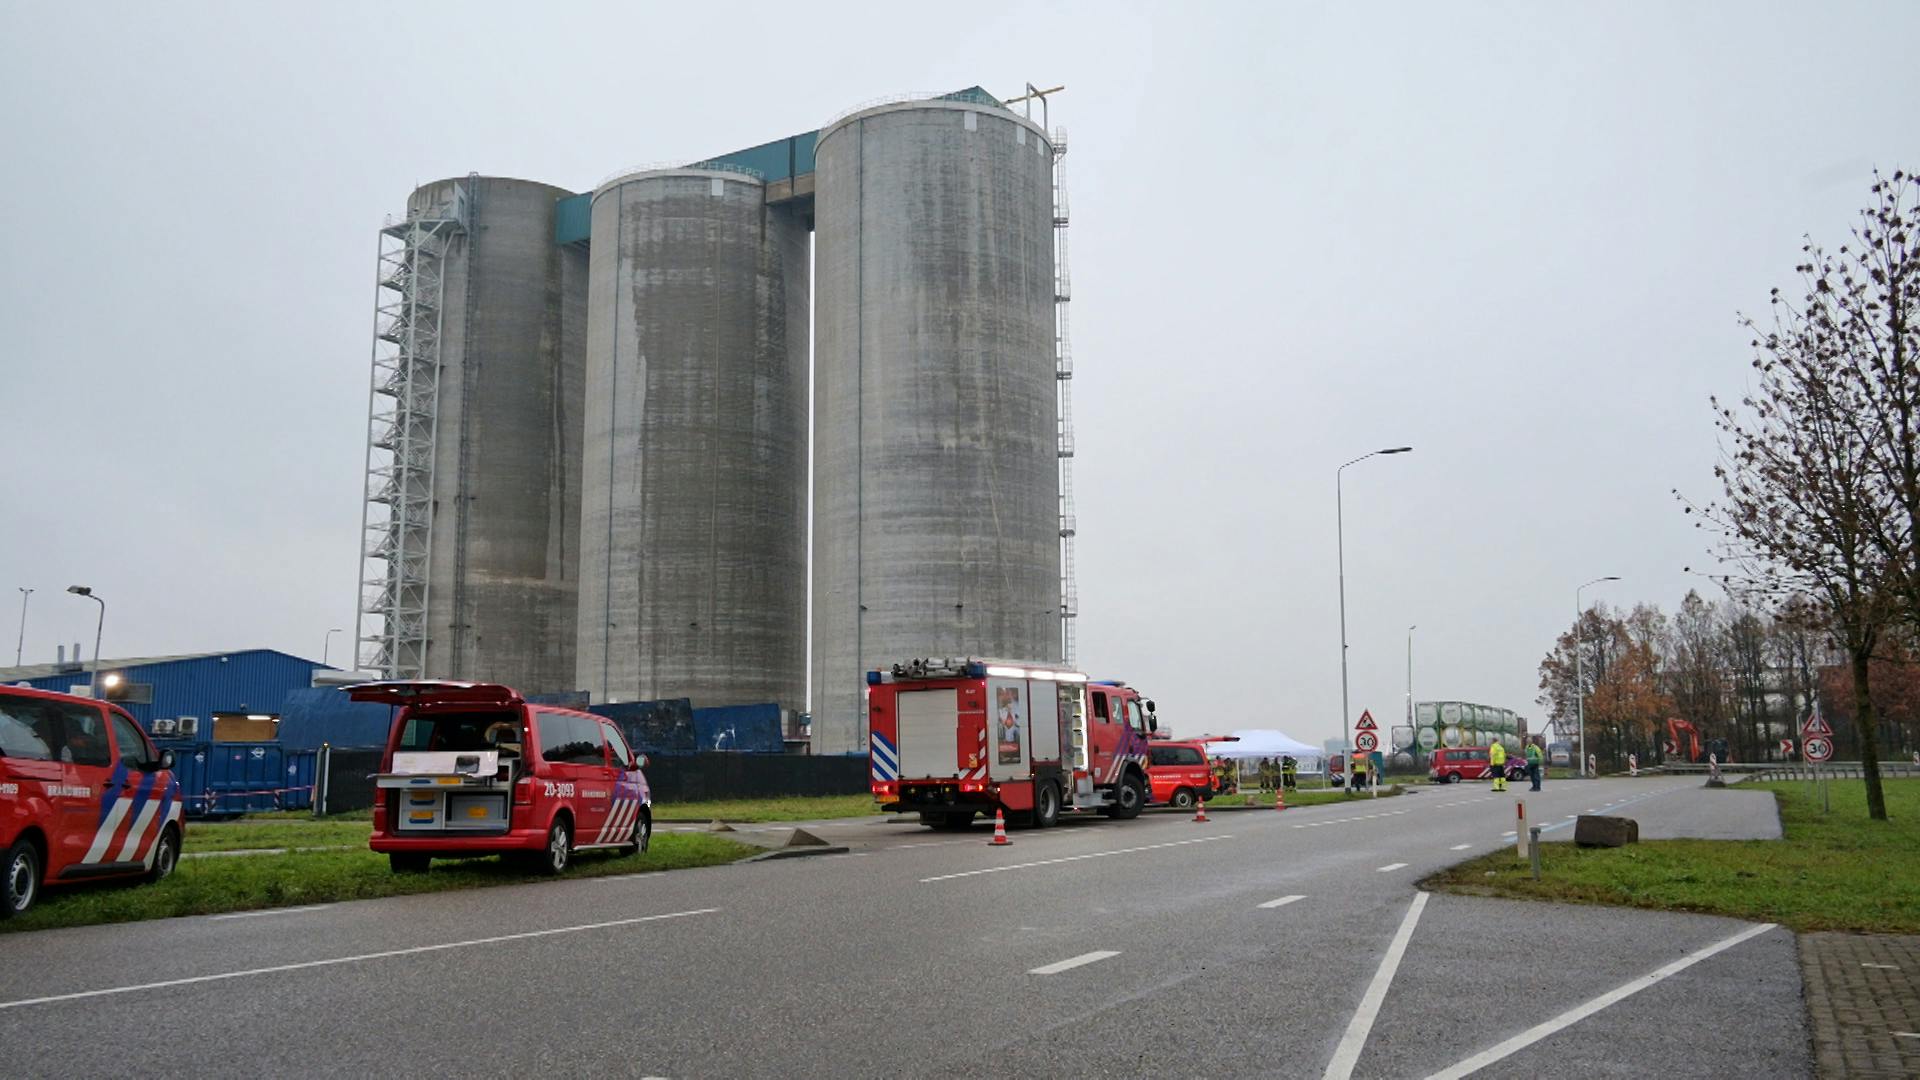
(1497, 760)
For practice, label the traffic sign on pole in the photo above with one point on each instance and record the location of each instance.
(1367, 740)
(1818, 748)
(1786, 747)
(1815, 725)
(1366, 723)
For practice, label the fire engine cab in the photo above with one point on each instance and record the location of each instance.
(952, 737)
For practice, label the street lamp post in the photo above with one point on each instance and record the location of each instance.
(326, 648)
(1340, 532)
(1410, 631)
(21, 645)
(1579, 679)
(99, 628)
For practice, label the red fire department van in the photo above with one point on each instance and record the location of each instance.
(1452, 764)
(1180, 772)
(83, 796)
(473, 769)
(954, 737)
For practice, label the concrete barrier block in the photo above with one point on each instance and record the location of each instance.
(1595, 830)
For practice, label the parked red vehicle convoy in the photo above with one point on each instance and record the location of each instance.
(83, 796)
(473, 769)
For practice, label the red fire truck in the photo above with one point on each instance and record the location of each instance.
(952, 737)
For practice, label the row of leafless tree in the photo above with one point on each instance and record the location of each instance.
(1820, 458)
(1744, 679)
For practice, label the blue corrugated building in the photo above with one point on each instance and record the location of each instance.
(196, 685)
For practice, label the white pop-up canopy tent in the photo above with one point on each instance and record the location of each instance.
(1263, 743)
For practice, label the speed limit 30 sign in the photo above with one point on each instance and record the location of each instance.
(1367, 741)
(1817, 749)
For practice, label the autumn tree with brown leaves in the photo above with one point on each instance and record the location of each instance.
(1820, 460)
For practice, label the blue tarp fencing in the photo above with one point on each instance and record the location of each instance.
(753, 729)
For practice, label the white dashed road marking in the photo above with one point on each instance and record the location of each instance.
(1459, 847)
(1073, 858)
(1282, 902)
(1391, 866)
(1079, 961)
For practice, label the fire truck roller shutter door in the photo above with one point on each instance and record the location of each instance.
(929, 733)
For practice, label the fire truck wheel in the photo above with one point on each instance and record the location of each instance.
(1182, 798)
(21, 884)
(1128, 799)
(1046, 806)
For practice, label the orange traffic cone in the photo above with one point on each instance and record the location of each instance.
(999, 829)
(1280, 799)
(1200, 814)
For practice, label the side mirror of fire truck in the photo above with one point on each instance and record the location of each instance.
(640, 761)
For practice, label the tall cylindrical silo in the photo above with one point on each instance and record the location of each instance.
(693, 524)
(936, 478)
(505, 542)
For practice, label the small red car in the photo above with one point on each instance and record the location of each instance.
(473, 769)
(83, 796)
(1179, 772)
(1453, 764)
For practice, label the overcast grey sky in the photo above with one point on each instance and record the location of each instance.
(1513, 237)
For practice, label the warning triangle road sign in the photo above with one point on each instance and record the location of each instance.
(1816, 725)
(1366, 722)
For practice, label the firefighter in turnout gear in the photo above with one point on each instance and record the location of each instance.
(1497, 763)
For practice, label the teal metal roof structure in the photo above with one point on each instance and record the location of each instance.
(782, 159)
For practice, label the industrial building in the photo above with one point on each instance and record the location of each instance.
(205, 696)
(588, 428)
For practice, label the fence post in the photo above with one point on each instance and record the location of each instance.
(322, 767)
(1533, 849)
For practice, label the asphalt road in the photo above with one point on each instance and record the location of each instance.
(1159, 947)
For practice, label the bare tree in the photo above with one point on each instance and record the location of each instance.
(1813, 496)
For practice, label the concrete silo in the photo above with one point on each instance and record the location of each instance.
(936, 480)
(487, 317)
(693, 524)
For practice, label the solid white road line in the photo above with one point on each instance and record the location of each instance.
(1073, 858)
(304, 965)
(1887, 967)
(1459, 847)
(1079, 961)
(1347, 1054)
(270, 911)
(1282, 902)
(1580, 1012)
(1906, 1034)
(1391, 866)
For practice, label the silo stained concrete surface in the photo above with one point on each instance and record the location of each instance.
(505, 548)
(693, 571)
(936, 471)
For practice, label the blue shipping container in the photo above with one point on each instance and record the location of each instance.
(225, 779)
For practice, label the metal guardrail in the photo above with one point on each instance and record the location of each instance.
(1839, 770)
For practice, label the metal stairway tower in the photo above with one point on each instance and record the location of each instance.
(397, 520)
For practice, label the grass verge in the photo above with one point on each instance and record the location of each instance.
(1832, 871)
(216, 886)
